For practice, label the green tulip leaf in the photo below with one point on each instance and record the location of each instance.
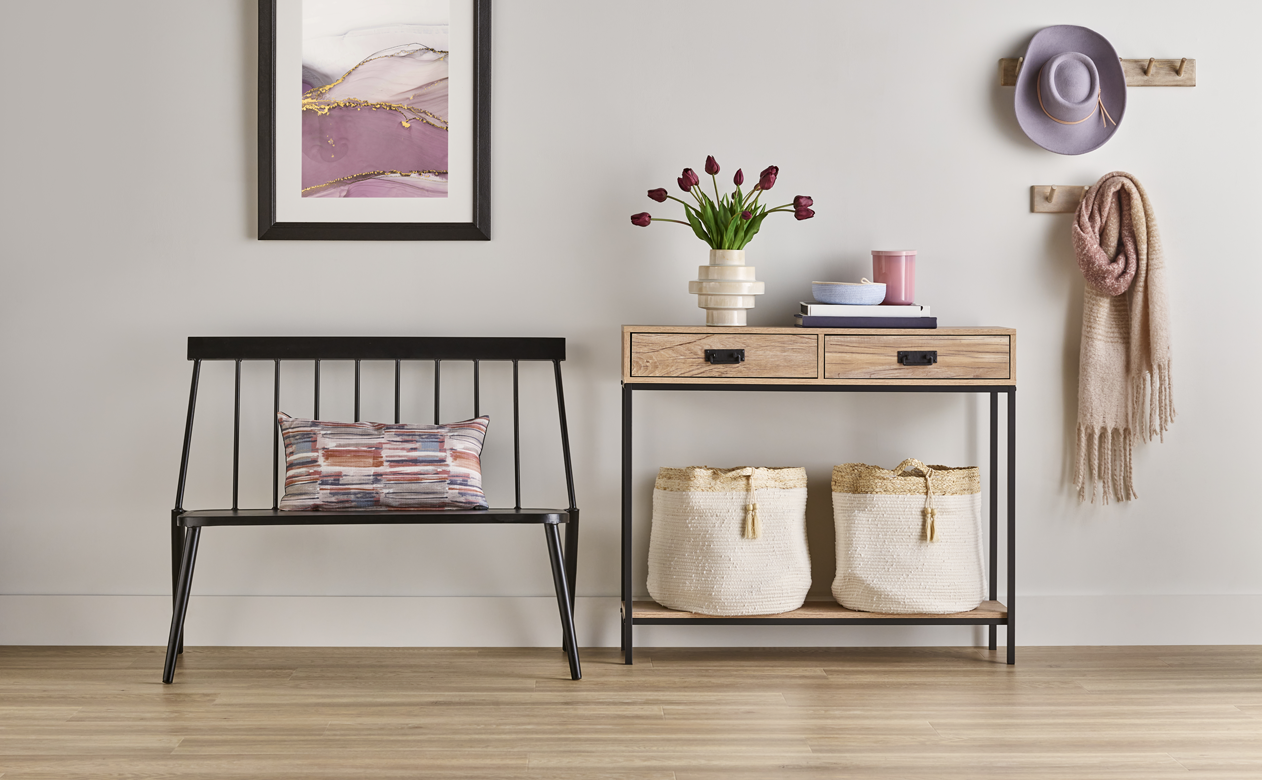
(729, 236)
(696, 228)
(708, 219)
(754, 225)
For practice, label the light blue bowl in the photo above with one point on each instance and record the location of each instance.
(850, 293)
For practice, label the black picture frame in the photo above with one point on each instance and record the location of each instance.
(478, 229)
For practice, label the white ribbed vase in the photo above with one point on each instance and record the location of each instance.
(726, 287)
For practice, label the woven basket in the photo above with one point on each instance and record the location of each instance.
(908, 540)
(729, 541)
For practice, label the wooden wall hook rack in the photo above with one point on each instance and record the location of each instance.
(1055, 198)
(1150, 72)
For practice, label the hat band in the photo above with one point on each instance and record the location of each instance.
(1104, 112)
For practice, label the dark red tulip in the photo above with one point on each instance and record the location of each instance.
(711, 166)
(691, 176)
(739, 178)
(767, 179)
(803, 213)
(684, 184)
(641, 220)
(746, 215)
(802, 202)
(659, 195)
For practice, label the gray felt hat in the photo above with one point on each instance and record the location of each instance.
(1071, 91)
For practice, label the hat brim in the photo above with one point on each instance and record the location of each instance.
(1042, 129)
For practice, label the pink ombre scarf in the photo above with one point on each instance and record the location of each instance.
(1124, 385)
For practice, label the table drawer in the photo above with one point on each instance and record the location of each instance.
(771, 356)
(958, 357)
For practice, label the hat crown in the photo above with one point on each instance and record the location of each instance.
(1069, 86)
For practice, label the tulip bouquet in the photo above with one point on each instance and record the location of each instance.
(728, 221)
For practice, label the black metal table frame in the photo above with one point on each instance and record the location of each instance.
(629, 620)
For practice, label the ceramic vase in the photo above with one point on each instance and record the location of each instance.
(726, 287)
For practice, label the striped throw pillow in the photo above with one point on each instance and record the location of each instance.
(355, 466)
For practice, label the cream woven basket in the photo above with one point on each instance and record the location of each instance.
(908, 540)
(729, 541)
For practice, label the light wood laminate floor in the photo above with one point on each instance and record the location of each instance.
(311, 713)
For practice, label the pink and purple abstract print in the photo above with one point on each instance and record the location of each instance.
(374, 103)
(339, 466)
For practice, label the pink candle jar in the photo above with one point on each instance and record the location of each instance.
(897, 270)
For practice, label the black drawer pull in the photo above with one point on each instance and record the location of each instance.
(926, 358)
(720, 357)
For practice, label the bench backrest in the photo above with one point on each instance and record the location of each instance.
(399, 349)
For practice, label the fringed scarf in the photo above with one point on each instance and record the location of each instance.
(1124, 375)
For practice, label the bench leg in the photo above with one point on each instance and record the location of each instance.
(571, 565)
(177, 551)
(183, 587)
(553, 537)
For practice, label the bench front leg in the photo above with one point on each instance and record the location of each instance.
(177, 552)
(183, 587)
(564, 603)
(571, 563)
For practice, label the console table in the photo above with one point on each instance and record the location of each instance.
(943, 360)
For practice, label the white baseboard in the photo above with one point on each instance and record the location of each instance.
(532, 622)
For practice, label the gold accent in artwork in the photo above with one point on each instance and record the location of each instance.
(313, 99)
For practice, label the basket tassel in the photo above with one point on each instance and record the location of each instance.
(930, 514)
(753, 528)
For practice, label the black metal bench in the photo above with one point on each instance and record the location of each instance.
(186, 526)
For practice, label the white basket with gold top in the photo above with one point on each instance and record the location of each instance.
(908, 540)
(729, 541)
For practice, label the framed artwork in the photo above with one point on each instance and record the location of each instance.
(374, 120)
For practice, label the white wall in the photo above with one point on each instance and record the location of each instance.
(129, 158)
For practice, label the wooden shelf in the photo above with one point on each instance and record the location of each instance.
(821, 612)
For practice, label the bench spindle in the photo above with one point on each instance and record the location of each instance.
(477, 386)
(565, 433)
(438, 372)
(188, 437)
(398, 372)
(356, 391)
(315, 414)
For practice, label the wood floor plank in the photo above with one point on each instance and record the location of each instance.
(677, 714)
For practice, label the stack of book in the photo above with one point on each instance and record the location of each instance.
(836, 315)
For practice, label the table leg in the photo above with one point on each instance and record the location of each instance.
(627, 625)
(1012, 525)
(994, 507)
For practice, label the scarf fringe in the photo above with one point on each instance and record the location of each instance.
(1152, 403)
(1103, 463)
(1104, 455)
